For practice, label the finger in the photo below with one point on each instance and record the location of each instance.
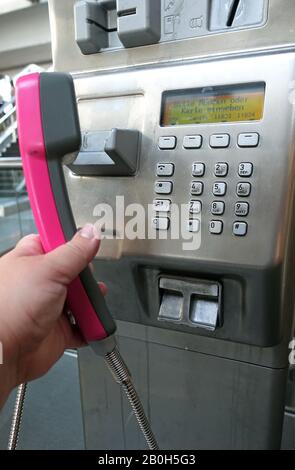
(67, 261)
(103, 288)
(29, 246)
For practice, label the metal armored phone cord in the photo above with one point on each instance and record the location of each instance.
(17, 416)
(122, 376)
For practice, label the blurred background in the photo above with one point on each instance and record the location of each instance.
(52, 415)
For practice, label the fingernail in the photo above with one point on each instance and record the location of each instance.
(88, 232)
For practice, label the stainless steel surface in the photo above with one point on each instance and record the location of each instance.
(17, 417)
(122, 376)
(201, 389)
(273, 159)
(276, 34)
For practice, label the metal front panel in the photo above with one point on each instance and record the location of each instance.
(125, 95)
(276, 33)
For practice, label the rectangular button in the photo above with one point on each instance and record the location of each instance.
(250, 139)
(242, 209)
(243, 189)
(198, 169)
(167, 143)
(197, 188)
(217, 207)
(219, 189)
(193, 225)
(219, 140)
(161, 205)
(195, 207)
(240, 229)
(165, 169)
(192, 141)
(161, 223)
(221, 169)
(216, 227)
(245, 169)
(163, 187)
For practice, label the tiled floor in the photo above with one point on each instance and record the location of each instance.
(52, 414)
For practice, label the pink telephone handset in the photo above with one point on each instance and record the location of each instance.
(48, 129)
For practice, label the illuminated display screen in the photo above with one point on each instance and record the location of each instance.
(234, 103)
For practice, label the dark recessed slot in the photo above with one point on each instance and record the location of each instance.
(232, 13)
(129, 12)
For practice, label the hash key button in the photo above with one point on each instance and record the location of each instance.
(240, 229)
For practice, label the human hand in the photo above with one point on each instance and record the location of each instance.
(33, 329)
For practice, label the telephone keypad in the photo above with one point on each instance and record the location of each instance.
(219, 169)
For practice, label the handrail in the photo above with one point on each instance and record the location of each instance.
(13, 163)
(7, 115)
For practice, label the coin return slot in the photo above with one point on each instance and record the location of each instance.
(195, 303)
(204, 312)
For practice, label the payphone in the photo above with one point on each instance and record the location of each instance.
(187, 104)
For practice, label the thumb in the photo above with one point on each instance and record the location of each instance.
(67, 261)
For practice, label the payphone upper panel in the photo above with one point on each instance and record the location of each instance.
(236, 176)
(267, 26)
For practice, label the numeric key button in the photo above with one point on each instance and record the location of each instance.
(243, 189)
(163, 187)
(221, 169)
(219, 189)
(216, 227)
(242, 209)
(217, 207)
(197, 188)
(198, 169)
(195, 207)
(245, 169)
